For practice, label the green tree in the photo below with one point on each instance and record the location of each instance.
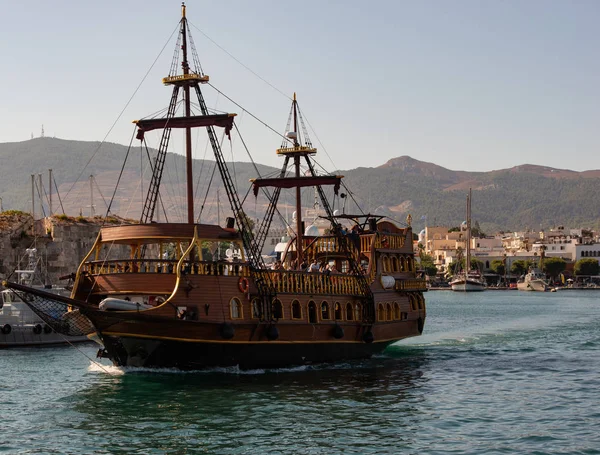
(587, 266)
(426, 258)
(427, 263)
(430, 270)
(249, 221)
(554, 266)
(476, 264)
(476, 230)
(519, 267)
(497, 266)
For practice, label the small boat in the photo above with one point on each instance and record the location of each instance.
(472, 282)
(468, 280)
(160, 295)
(534, 280)
(19, 325)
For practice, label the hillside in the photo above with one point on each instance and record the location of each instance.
(523, 196)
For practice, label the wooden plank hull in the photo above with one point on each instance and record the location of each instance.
(140, 341)
(156, 353)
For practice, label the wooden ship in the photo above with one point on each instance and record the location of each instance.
(155, 295)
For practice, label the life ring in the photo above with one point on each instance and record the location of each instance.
(243, 285)
(37, 329)
(47, 329)
(6, 329)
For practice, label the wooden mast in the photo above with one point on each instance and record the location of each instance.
(298, 193)
(468, 263)
(188, 131)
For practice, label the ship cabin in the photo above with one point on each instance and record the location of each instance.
(141, 263)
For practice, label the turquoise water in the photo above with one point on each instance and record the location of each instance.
(494, 373)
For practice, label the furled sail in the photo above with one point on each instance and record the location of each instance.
(294, 182)
(220, 120)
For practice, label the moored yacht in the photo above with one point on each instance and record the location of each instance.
(19, 325)
(468, 280)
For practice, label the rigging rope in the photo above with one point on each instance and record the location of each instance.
(99, 191)
(120, 174)
(250, 113)
(152, 169)
(264, 190)
(206, 195)
(319, 141)
(58, 194)
(239, 62)
(122, 111)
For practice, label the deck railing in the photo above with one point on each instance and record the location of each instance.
(311, 283)
(393, 241)
(410, 285)
(283, 281)
(166, 266)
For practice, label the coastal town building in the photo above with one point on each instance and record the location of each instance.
(445, 245)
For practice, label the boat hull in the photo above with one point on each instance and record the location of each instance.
(533, 285)
(153, 353)
(467, 286)
(21, 336)
(131, 339)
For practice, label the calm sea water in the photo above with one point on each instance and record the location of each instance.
(495, 372)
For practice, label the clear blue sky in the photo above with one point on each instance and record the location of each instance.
(474, 85)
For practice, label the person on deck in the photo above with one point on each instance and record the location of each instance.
(314, 267)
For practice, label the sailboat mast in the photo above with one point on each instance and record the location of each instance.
(468, 264)
(188, 112)
(298, 194)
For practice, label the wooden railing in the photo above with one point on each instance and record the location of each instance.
(166, 266)
(331, 244)
(393, 241)
(311, 283)
(410, 285)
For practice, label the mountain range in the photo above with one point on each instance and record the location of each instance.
(525, 196)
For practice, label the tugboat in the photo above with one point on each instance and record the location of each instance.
(156, 295)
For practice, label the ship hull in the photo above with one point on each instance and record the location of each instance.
(533, 285)
(133, 340)
(467, 286)
(153, 353)
(21, 336)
